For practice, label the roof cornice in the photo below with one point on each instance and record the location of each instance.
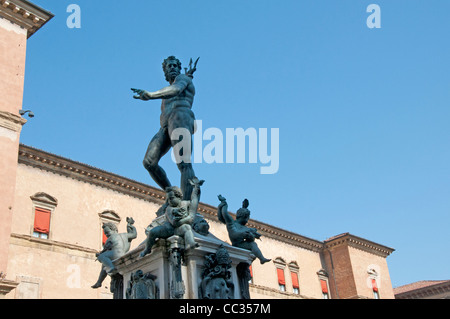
(66, 167)
(82, 172)
(25, 14)
(358, 243)
(59, 165)
(425, 292)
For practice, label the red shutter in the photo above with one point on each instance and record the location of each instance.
(323, 283)
(294, 277)
(104, 238)
(280, 274)
(251, 271)
(42, 221)
(374, 285)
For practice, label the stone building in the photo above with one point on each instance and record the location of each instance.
(52, 210)
(425, 289)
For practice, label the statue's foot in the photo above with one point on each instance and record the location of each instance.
(264, 260)
(97, 285)
(191, 246)
(145, 252)
(112, 271)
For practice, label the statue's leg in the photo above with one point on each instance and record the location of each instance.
(183, 120)
(158, 147)
(106, 259)
(257, 252)
(186, 232)
(101, 277)
(164, 231)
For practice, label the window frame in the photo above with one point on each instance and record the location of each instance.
(107, 216)
(280, 264)
(44, 202)
(294, 269)
(323, 277)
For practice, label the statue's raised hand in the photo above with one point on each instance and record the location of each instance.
(196, 182)
(139, 94)
(221, 198)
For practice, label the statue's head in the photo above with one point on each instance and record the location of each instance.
(243, 214)
(200, 225)
(109, 228)
(172, 68)
(174, 196)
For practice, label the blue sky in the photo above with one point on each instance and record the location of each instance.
(362, 113)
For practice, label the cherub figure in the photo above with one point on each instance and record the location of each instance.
(115, 247)
(180, 215)
(240, 235)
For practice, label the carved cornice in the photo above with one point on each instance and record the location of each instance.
(439, 290)
(6, 286)
(11, 121)
(59, 165)
(275, 293)
(47, 244)
(25, 14)
(65, 167)
(82, 172)
(358, 243)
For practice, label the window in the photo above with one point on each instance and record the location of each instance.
(372, 281)
(41, 227)
(108, 216)
(375, 289)
(251, 274)
(281, 279)
(280, 265)
(324, 286)
(43, 209)
(294, 269)
(295, 285)
(323, 279)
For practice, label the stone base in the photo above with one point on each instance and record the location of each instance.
(177, 273)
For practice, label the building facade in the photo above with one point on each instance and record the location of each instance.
(52, 210)
(425, 289)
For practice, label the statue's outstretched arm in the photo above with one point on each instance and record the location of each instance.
(131, 232)
(222, 211)
(195, 197)
(172, 90)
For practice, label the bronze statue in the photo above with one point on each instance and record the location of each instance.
(176, 113)
(180, 215)
(142, 286)
(240, 235)
(115, 247)
(216, 277)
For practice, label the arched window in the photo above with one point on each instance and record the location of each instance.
(323, 280)
(280, 265)
(43, 209)
(294, 270)
(373, 282)
(108, 216)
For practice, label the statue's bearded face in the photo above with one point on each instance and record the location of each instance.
(172, 70)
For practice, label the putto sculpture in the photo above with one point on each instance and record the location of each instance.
(216, 276)
(176, 114)
(115, 247)
(240, 235)
(142, 286)
(180, 215)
